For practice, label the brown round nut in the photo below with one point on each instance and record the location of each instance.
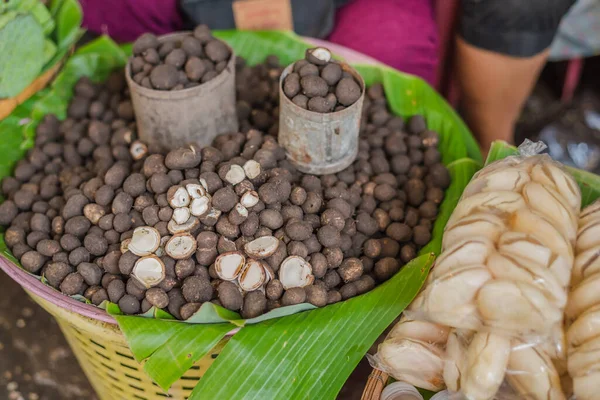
(48, 247)
(301, 101)
(293, 296)
(184, 268)
(333, 217)
(399, 232)
(366, 224)
(334, 256)
(350, 270)
(196, 289)
(347, 91)
(386, 268)
(329, 236)
(313, 203)
(32, 261)
(55, 272)
(129, 305)
(421, 235)
(229, 295)
(319, 265)
(407, 253)
(313, 85)
(342, 206)
(224, 199)
(272, 219)
(389, 247)
(298, 196)
(348, 290)
(255, 304)
(333, 296)
(372, 248)
(91, 273)
(291, 85)
(364, 284)
(157, 297)
(332, 73)
(316, 295)
(72, 284)
(274, 289)
(295, 248)
(298, 230)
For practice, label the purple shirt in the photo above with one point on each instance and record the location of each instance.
(400, 33)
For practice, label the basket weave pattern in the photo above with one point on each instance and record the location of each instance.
(108, 363)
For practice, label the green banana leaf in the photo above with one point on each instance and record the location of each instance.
(588, 183)
(300, 354)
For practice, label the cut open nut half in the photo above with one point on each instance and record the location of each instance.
(235, 174)
(125, 245)
(145, 241)
(294, 272)
(138, 150)
(252, 276)
(262, 247)
(181, 246)
(181, 215)
(249, 199)
(188, 226)
(195, 190)
(178, 197)
(252, 169)
(161, 249)
(229, 265)
(200, 206)
(149, 271)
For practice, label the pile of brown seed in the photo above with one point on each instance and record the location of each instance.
(319, 84)
(78, 196)
(178, 64)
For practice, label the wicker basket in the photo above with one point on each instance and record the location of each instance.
(375, 384)
(100, 347)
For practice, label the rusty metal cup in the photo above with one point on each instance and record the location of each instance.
(169, 119)
(318, 143)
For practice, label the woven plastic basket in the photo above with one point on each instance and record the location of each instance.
(95, 338)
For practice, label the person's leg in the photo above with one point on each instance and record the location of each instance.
(501, 48)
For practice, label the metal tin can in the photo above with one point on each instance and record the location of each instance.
(170, 119)
(320, 143)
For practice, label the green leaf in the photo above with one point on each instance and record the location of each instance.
(22, 48)
(171, 360)
(461, 172)
(210, 313)
(310, 354)
(39, 11)
(68, 21)
(146, 335)
(49, 50)
(280, 312)
(55, 7)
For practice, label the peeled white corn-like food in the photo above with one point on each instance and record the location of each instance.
(502, 285)
(583, 308)
(532, 374)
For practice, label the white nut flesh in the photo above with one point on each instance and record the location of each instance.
(262, 247)
(149, 271)
(249, 199)
(294, 272)
(252, 276)
(125, 245)
(181, 246)
(178, 197)
(321, 53)
(203, 183)
(145, 241)
(241, 210)
(200, 206)
(195, 190)
(138, 150)
(181, 215)
(188, 226)
(252, 169)
(229, 265)
(235, 174)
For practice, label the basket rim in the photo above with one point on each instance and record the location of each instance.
(32, 284)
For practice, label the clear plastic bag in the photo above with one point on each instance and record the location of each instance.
(500, 284)
(507, 252)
